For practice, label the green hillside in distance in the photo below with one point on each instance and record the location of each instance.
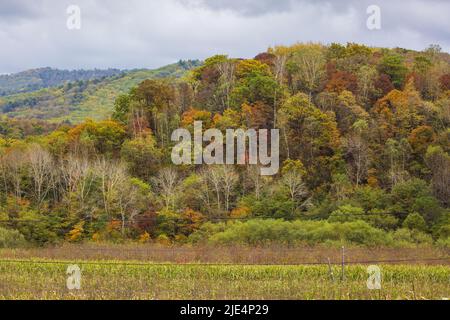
(40, 78)
(78, 100)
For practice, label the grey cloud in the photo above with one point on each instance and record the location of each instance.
(20, 9)
(262, 7)
(245, 7)
(150, 33)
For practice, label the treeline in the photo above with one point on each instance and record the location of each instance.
(364, 147)
(23, 128)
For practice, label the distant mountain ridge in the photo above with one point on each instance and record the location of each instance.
(91, 93)
(40, 78)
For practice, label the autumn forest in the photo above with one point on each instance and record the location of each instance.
(364, 156)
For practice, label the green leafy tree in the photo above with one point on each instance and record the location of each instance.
(394, 66)
(415, 222)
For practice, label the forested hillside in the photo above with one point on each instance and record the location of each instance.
(74, 96)
(365, 144)
(36, 79)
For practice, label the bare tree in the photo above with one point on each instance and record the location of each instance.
(280, 69)
(138, 119)
(294, 183)
(398, 153)
(222, 179)
(366, 79)
(253, 175)
(212, 177)
(167, 182)
(226, 70)
(311, 68)
(4, 170)
(229, 179)
(15, 164)
(77, 175)
(125, 195)
(439, 163)
(111, 176)
(42, 171)
(357, 147)
(203, 192)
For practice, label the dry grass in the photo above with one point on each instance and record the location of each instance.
(116, 280)
(230, 255)
(155, 272)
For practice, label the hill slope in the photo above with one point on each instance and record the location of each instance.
(35, 79)
(76, 101)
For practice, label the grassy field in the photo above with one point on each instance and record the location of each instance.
(42, 274)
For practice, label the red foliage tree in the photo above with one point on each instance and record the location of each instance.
(343, 80)
(266, 58)
(384, 84)
(445, 81)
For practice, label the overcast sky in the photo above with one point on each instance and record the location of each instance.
(152, 33)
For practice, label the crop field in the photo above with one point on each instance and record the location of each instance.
(118, 280)
(45, 277)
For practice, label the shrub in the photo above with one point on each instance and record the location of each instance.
(370, 198)
(382, 220)
(405, 237)
(261, 232)
(346, 213)
(11, 238)
(415, 222)
(163, 240)
(207, 230)
(416, 196)
(75, 235)
(276, 206)
(144, 238)
(361, 232)
(443, 231)
(443, 243)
